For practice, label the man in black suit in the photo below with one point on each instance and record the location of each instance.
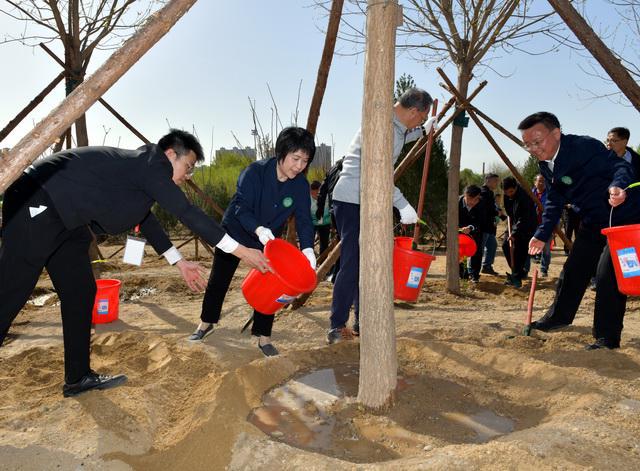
(47, 214)
(521, 211)
(618, 142)
(471, 214)
(489, 226)
(579, 170)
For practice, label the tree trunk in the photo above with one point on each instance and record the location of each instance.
(378, 361)
(453, 274)
(599, 50)
(46, 132)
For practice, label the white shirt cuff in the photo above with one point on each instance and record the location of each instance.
(227, 244)
(172, 255)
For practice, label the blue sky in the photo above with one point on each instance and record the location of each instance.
(202, 72)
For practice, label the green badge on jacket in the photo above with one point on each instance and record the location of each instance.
(287, 202)
(566, 180)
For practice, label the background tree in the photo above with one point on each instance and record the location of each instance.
(616, 53)
(82, 27)
(469, 177)
(530, 169)
(463, 33)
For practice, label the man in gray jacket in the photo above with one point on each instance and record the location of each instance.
(410, 112)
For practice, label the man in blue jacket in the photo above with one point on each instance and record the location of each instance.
(618, 142)
(46, 217)
(579, 170)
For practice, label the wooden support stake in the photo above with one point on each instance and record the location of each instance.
(325, 64)
(425, 175)
(30, 107)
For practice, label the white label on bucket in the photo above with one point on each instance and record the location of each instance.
(285, 299)
(628, 259)
(414, 277)
(103, 306)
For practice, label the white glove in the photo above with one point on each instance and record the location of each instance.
(431, 123)
(408, 215)
(264, 234)
(308, 252)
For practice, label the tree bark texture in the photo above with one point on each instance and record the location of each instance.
(599, 50)
(378, 360)
(73, 106)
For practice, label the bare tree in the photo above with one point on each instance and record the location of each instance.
(465, 33)
(61, 117)
(621, 66)
(82, 26)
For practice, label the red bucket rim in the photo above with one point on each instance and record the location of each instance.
(298, 287)
(416, 252)
(108, 283)
(612, 230)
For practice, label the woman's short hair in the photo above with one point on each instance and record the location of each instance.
(293, 139)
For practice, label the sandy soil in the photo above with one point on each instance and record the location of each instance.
(189, 406)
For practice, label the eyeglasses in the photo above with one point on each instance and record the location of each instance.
(536, 144)
(613, 141)
(190, 168)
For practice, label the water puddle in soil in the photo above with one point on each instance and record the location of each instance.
(308, 412)
(300, 412)
(486, 424)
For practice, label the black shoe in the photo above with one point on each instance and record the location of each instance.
(268, 350)
(356, 330)
(489, 271)
(199, 334)
(547, 326)
(92, 380)
(513, 281)
(603, 343)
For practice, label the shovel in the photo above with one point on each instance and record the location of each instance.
(527, 322)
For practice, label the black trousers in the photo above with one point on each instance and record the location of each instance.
(590, 256)
(520, 254)
(323, 232)
(224, 266)
(475, 262)
(31, 243)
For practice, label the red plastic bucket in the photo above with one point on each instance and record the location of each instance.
(410, 268)
(466, 246)
(624, 246)
(107, 303)
(403, 242)
(292, 275)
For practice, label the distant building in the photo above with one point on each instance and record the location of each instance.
(246, 152)
(322, 158)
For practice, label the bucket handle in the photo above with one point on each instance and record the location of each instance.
(403, 230)
(633, 185)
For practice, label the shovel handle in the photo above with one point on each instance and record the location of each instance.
(532, 293)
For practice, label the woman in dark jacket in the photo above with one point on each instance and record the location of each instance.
(268, 192)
